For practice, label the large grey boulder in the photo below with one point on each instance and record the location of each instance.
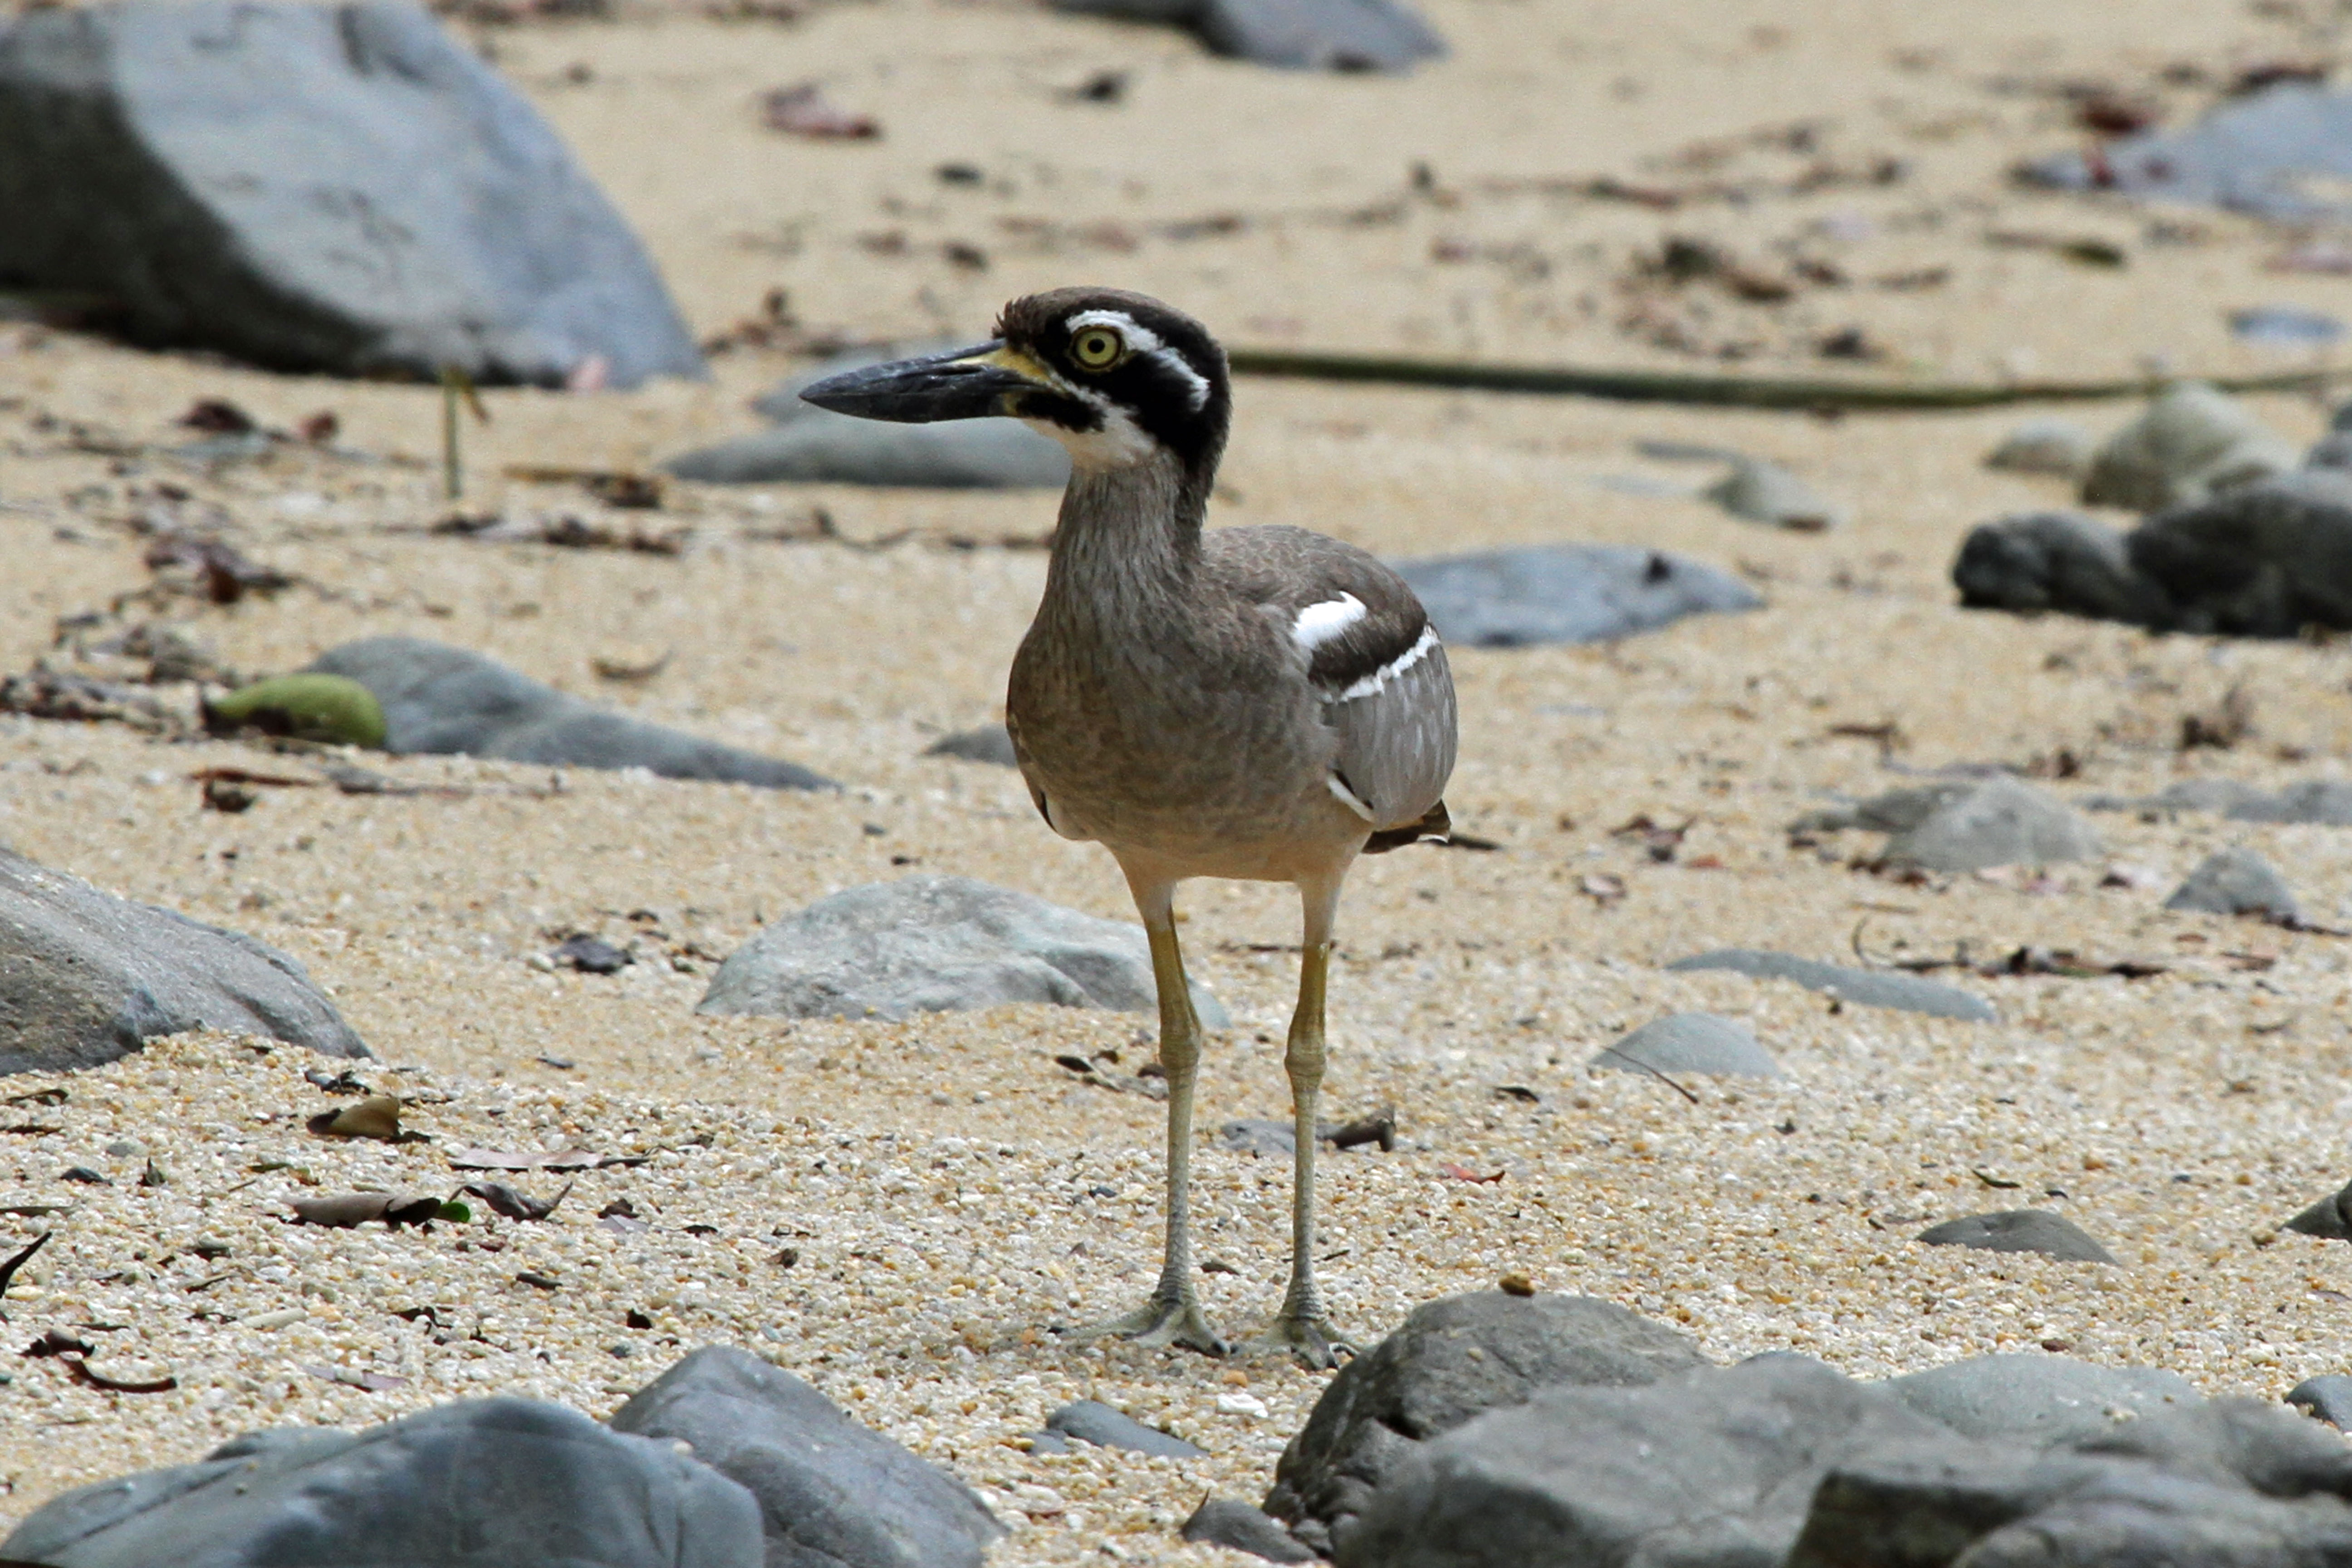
(830, 1493)
(2193, 441)
(1715, 1468)
(442, 700)
(2041, 1399)
(1298, 34)
(1690, 1042)
(1863, 987)
(318, 188)
(480, 1484)
(2235, 881)
(1997, 822)
(2060, 562)
(1566, 592)
(936, 945)
(86, 977)
(809, 444)
(1453, 1360)
(2265, 559)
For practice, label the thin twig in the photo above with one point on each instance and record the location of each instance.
(1621, 1055)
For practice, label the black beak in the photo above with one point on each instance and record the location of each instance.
(968, 383)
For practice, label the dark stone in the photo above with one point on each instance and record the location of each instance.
(1256, 1135)
(2328, 1397)
(1715, 1468)
(2235, 881)
(477, 1482)
(86, 977)
(1690, 1042)
(2330, 1218)
(2039, 1399)
(1566, 592)
(593, 955)
(442, 700)
(2265, 559)
(1091, 1421)
(2019, 1230)
(2055, 561)
(830, 1493)
(1299, 35)
(1863, 987)
(1452, 1360)
(2252, 154)
(989, 744)
(1231, 1522)
(316, 188)
(935, 944)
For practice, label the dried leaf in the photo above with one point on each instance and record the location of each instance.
(378, 1116)
(344, 1210)
(1463, 1173)
(475, 1159)
(83, 1373)
(516, 1205)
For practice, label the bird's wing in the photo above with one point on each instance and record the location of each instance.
(1372, 659)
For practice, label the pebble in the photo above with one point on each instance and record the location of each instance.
(1241, 1527)
(2057, 447)
(2235, 881)
(2019, 1230)
(1864, 987)
(1091, 1421)
(1690, 1042)
(2328, 1397)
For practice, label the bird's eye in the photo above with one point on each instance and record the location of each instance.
(1097, 348)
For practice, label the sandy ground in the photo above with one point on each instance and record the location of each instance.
(948, 1193)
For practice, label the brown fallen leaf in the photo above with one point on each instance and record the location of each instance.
(803, 110)
(473, 1159)
(1603, 888)
(1464, 1173)
(377, 1116)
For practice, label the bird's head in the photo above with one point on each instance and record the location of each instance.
(1119, 379)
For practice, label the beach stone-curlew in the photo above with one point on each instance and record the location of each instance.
(2019, 1230)
(2235, 881)
(1690, 1042)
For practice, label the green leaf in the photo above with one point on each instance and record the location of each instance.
(459, 1212)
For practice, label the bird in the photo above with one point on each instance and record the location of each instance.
(1258, 702)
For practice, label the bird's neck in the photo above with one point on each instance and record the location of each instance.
(1129, 540)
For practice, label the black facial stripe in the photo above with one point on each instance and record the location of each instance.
(1055, 409)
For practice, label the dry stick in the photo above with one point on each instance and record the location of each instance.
(1622, 1057)
(457, 387)
(1731, 390)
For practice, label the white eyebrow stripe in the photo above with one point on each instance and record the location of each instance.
(1141, 340)
(1318, 623)
(1376, 682)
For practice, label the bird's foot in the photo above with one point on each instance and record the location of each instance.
(1165, 1320)
(1309, 1336)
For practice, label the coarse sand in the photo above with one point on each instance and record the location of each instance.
(904, 1212)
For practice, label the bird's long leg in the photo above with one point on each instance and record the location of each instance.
(1301, 1327)
(1172, 1315)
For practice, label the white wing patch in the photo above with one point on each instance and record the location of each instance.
(1349, 797)
(1318, 623)
(1377, 682)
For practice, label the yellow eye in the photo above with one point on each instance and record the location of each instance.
(1097, 348)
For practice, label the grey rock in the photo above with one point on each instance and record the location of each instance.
(2285, 326)
(1690, 1042)
(2057, 447)
(477, 1482)
(1256, 1135)
(2235, 881)
(2330, 1218)
(2318, 802)
(2019, 1230)
(2333, 450)
(989, 744)
(1566, 592)
(1091, 1421)
(1766, 492)
(931, 945)
(1298, 35)
(2328, 1397)
(440, 701)
(2192, 442)
(2039, 1399)
(1998, 822)
(2056, 562)
(1232, 1523)
(2252, 154)
(318, 188)
(86, 977)
(1863, 987)
(2265, 559)
(830, 1493)
(1453, 1360)
(1710, 1470)
(1894, 811)
(2188, 795)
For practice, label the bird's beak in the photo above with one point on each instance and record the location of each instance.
(968, 383)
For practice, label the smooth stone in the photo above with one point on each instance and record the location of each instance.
(2329, 1219)
(1766, 492)
(933, 944)
(1863, 987)
(86, 977)
(1296, 35)
(2318, 802)
(479, 1481)
(830, 1491)
(2254, 154)
(342, 189)
(2192, 442)
(2019, 1230)
(1050, 1444)
(989, 744)
(2039, 1399)
(2061, 561)
(2057, 447)
(1091, 1421)
(1690, 1042)
(1998, 822)
(1256, 1135)
(1234, 1524)
(2235, 881)
(443, 700)
(1566, 592)
(2328, 1397)
(1892, 811)
(1453, 1360)
(2267, 559)
(2285, 326)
